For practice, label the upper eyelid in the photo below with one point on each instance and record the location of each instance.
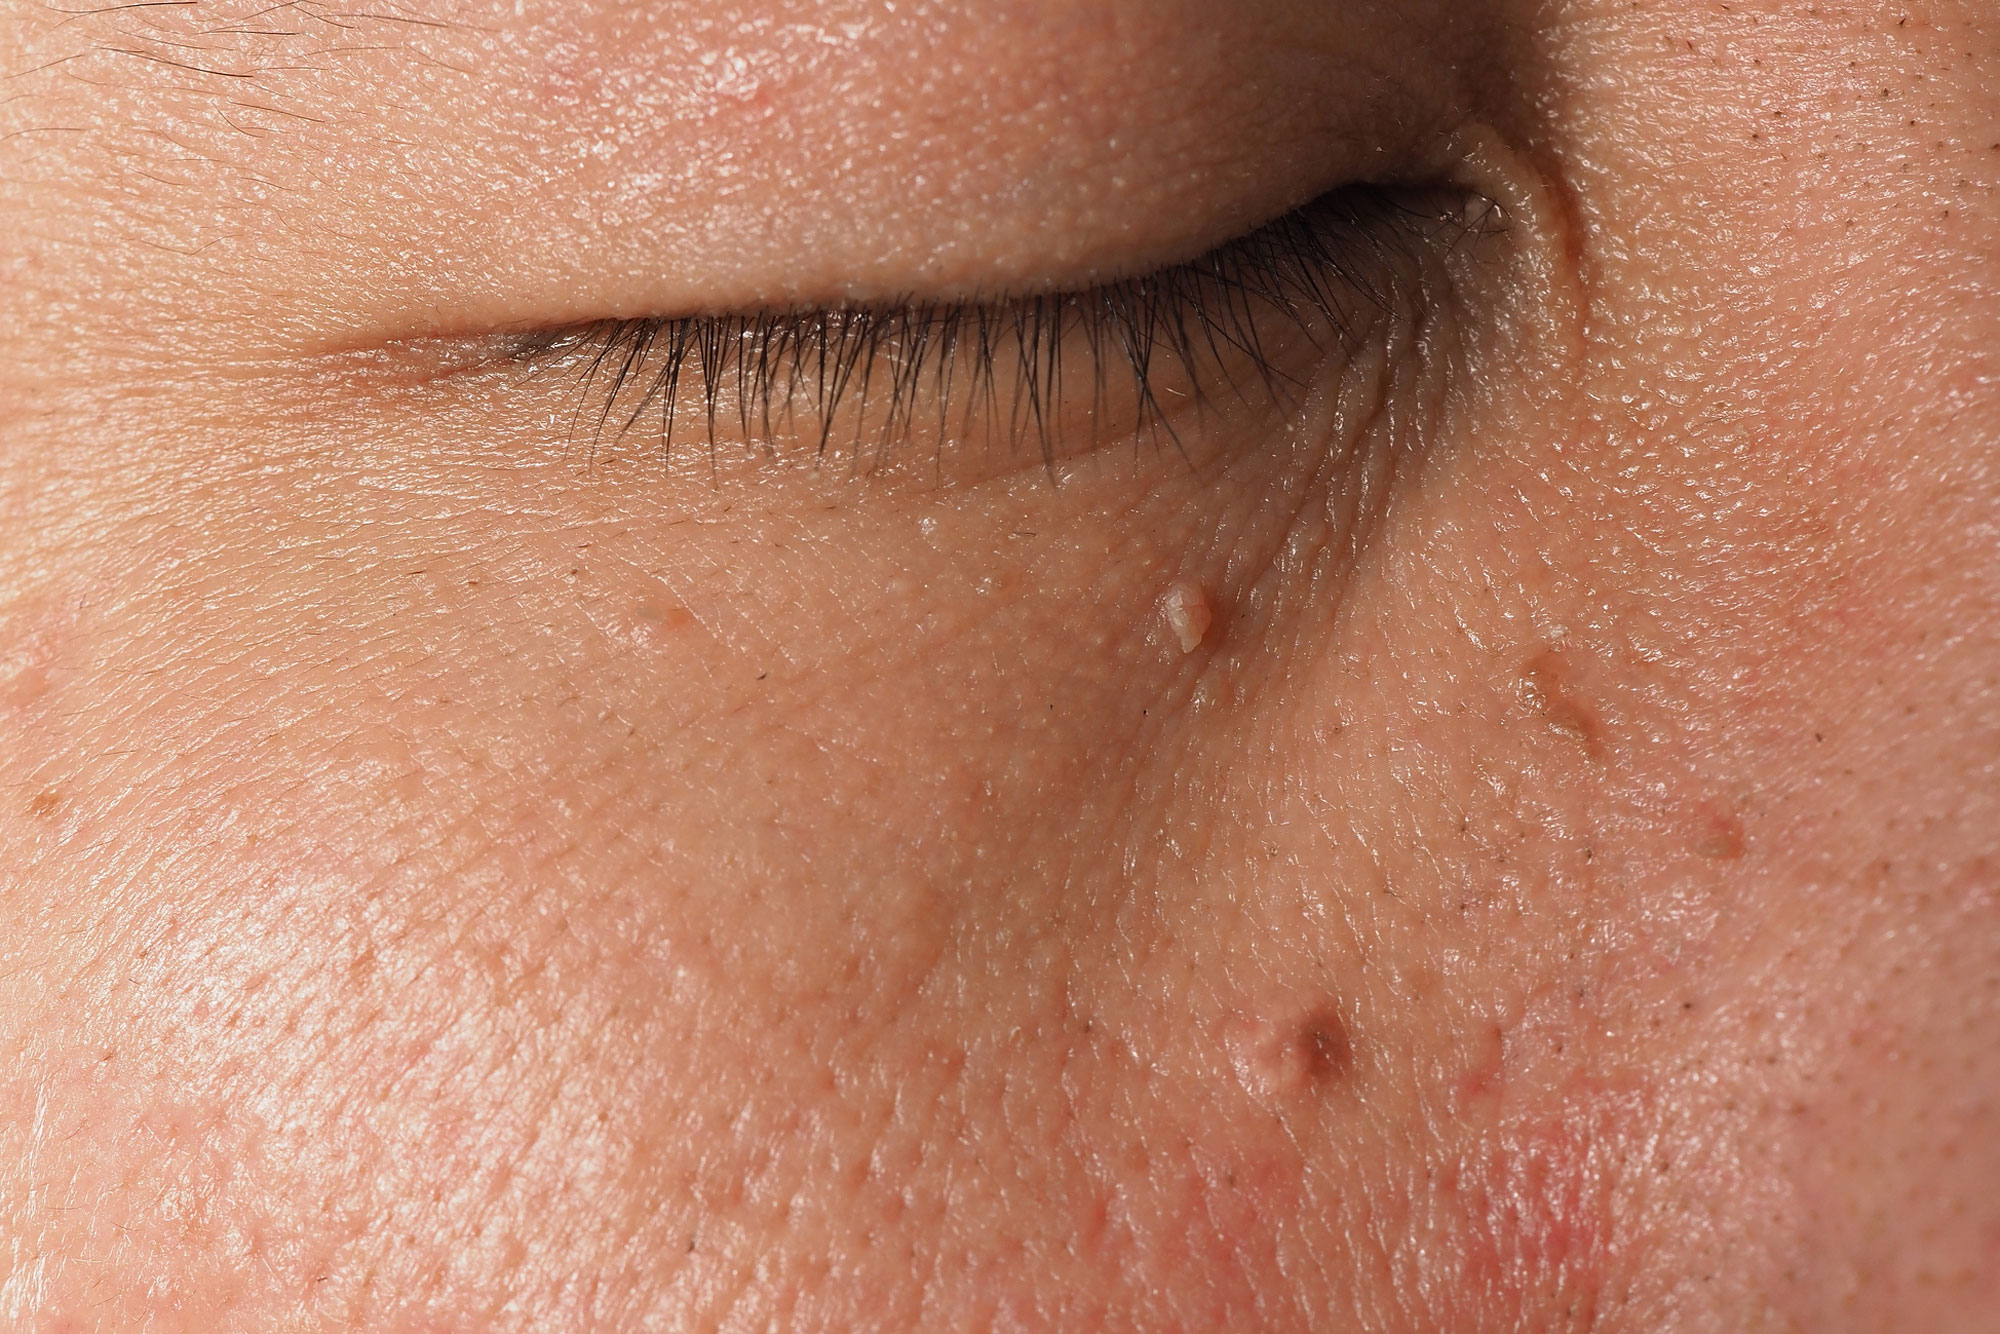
(1332, 264)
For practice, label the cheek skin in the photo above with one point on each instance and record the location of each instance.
(789, 903)
(827, 914)
(1819, 626)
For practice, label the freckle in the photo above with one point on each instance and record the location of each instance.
(1189, 614)
(1485, 1072)
(668, 617)
(45, 804)
(1718, 832)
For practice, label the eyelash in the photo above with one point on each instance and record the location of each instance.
(1187, 333)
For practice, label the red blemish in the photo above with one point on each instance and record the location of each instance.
(1487, 1070)
(1219, 1210)
(1536, 1203)
(1718, 832)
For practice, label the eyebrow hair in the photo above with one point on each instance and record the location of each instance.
(246, 44)
(172, 72)
(317, 11)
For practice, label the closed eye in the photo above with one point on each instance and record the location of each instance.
(1143, 358)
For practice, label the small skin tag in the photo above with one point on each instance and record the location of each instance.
(1188, 614)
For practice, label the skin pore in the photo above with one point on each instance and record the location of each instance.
(463, 866)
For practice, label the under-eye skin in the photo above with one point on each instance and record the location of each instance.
(1142, 359)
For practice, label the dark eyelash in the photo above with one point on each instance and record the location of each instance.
(1326, 271)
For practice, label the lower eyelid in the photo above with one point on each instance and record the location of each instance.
(1239, 331)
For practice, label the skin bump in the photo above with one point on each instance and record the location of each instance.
(1278, 1060)
(1548, 689)
(1189, 614)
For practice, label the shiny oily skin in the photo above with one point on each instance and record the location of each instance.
(453, 885)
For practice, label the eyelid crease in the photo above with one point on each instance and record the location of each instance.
(1186, 335)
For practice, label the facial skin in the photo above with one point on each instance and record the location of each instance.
(460, 871)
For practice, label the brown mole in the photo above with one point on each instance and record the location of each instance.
(1322, 1041)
